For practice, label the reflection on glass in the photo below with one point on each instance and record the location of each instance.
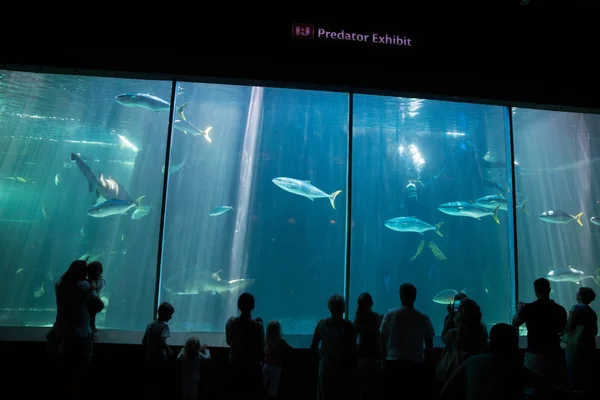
(429, 205)
(245, 164)
(80, 161)
(558, 156)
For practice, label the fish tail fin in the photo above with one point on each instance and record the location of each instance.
(206, 132)
(180, 110)
(437, 229)
(578, 218)
(332, 197)
(138, 200)
(524, 208)
(496, 215)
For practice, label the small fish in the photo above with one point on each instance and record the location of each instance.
(560, 217)
(57, 179)
(305, 189)
(468, 209)
(44, 212)
(410, 224)
(143, 100)
(113, 207)
(39, 292)
(173, 168)
(220, 210)
(570, 275)
(595, 220)
(446, 296)
(20, 270)
(83, 232)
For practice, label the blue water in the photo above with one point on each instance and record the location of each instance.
(287, 250)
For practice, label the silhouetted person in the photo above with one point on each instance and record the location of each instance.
(97, 283)
(404, 331)
(545, 320)
(449, 319)
(470, 334)
(276, 349)
(337, 352)
(497, 375)
(71, 334)
(366, 325)
(580, 355)
(246, 339)
(157, 350)
(191, 356)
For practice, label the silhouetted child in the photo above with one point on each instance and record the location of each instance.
(191, 355)
(156, 348)
(97, 283)
(275, 350)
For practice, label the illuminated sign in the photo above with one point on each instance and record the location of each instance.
(308, 31)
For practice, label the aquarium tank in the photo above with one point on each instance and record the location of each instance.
(193, 193)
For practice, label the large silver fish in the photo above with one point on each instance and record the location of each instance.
(410, 224)
(570, 274)
(143, 100)
(446, 296)
(494, 201)
(113, 207)
(305, 188)
(560, 217)
(192, 282)
(468, 209)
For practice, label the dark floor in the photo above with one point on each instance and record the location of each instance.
(117, 372)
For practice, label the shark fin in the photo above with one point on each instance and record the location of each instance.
(216, 275)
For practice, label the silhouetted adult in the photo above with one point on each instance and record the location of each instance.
(580, 336)
(337, 353)
(498, 374)
(449, 319)
(545, 320)
(73, 321)
(470, 334)
(404, 330)
(246, 339)
(366, 325)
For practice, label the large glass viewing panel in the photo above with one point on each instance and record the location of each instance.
(559, 156)
(436, 168)
(245, 163)
(75, 154)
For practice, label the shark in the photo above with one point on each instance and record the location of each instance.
(107, 188)
(204, 282)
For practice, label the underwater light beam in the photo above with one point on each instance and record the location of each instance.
(238, 264)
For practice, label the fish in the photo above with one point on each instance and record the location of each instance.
(570, 274)
(204, 282)
(446, 296)
(493, 201)
(173, 168)
(148, 101)
(113, 207)
(595, 220)
(141, 212)
(493, 185)
(468, 209)
(39, 292)
(411, 224)
(57, 179)
(220, 210)
(560, 217)
(107, 188)
(305, 188)
(186, 126)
